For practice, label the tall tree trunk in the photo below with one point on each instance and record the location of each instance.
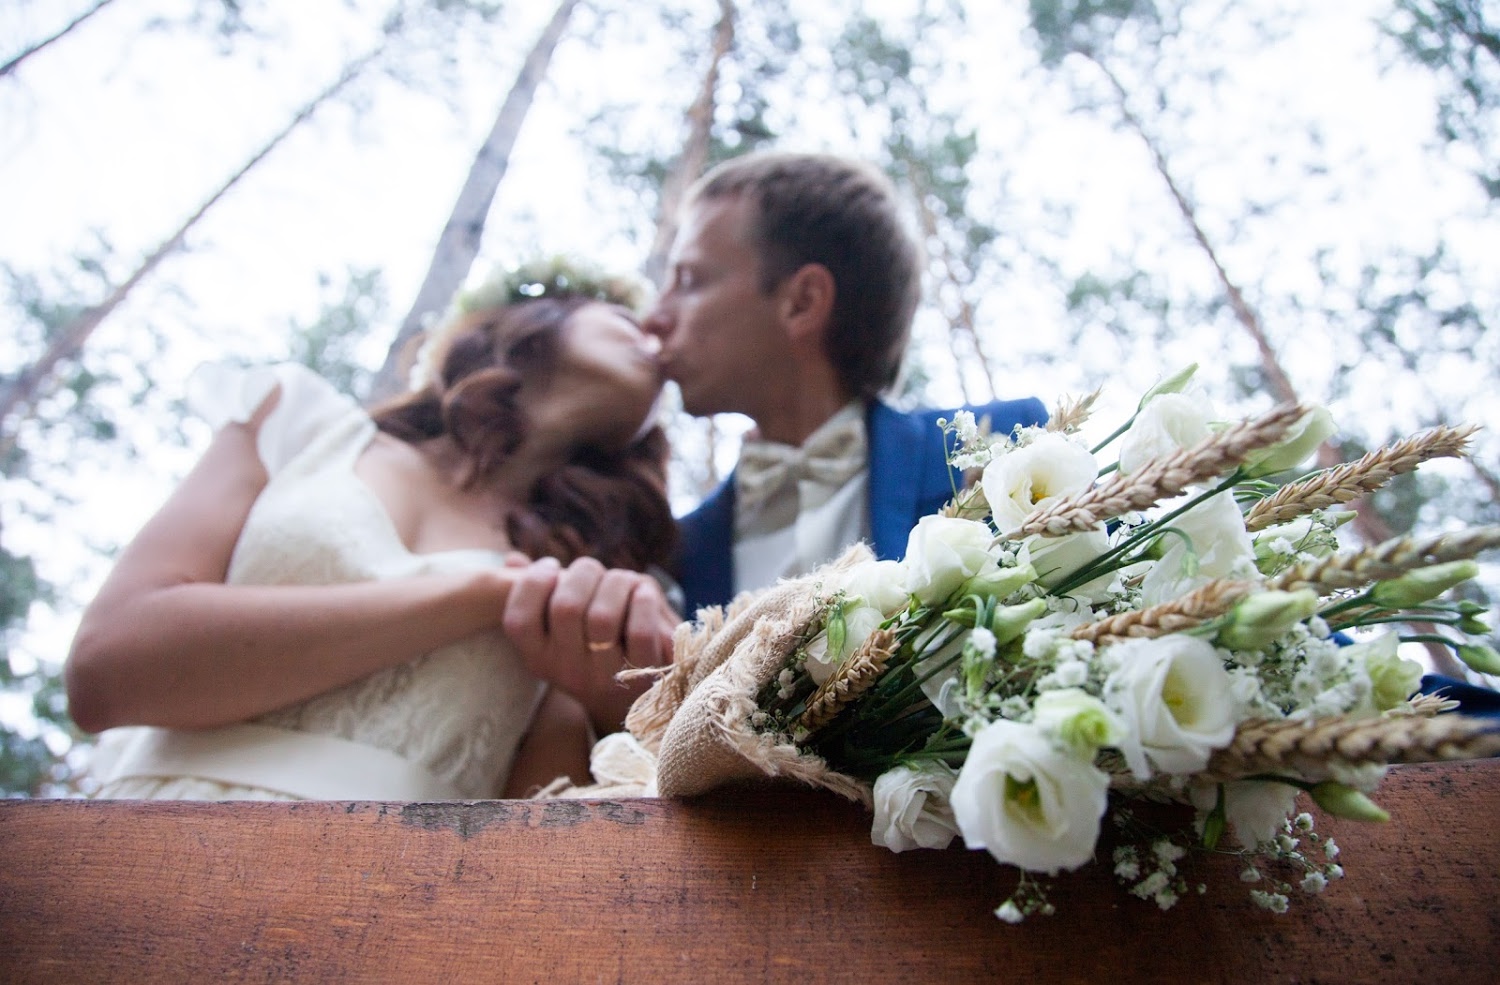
(686, 169)
(690, 163)
(1368, 525)
(961, 320)
(11, 65)
(17, 399)
(458, 243)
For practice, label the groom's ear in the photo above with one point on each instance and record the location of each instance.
(805, 303)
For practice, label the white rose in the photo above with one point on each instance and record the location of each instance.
(1167, 423)
(942, 553)
(1176, 699)
(1255, 809)
(1028, 801)
(1220, 548)
(912, 810)
(1035, 475)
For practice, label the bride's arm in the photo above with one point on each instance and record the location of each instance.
(166, 642)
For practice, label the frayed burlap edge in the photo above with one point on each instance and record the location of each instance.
(696, 718)
(708, 740)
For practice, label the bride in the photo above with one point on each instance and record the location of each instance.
(315, 612)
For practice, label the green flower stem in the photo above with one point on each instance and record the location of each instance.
(905, 693)
(1431, 638)
(1108, 560)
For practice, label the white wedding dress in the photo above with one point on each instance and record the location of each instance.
(443, 726)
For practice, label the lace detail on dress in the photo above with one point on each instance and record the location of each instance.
(459, 711)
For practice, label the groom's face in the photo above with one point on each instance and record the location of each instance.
(719, 332)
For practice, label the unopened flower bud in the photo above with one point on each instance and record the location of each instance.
(1172, 384)
(838, 632)
(1079, 720)
(1477, 656)
(1474, 627)
(1315, 427)
(1346, 802)
(1010, 621)
(998, 583)
(1261, 619)
(1422, 585)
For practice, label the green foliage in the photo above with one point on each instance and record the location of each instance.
(1459, 42)
(1066, 26)
(25, 760)
(330, 344)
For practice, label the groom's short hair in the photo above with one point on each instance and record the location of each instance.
(843, 214)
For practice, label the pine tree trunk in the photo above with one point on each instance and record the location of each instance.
(17, 399)
(690, 163)
(1370, 527)
(459, 241)
(15, 62)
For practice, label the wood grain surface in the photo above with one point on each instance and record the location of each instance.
(744, 886)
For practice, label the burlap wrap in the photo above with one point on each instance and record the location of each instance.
(692, 728)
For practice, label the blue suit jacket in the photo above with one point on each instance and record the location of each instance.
(909, 478)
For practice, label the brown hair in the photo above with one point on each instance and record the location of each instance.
(605, 503)
(818, 208)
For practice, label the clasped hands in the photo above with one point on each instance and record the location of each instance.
(580, 625)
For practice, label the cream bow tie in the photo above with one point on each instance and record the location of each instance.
(768, 471)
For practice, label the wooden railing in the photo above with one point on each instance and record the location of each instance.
(745, 886)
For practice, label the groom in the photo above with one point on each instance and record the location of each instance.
(793, 282)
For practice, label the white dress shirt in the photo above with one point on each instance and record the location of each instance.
(799, 507)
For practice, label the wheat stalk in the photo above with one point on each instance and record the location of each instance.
(1162, 478)
(1070, 413)
(1349, 481)
(1309, 748)
(1390, 559)
(852, 678)
(1193, 609)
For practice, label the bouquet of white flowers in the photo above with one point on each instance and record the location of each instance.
(1065, 637)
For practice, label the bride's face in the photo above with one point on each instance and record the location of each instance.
(604, 350)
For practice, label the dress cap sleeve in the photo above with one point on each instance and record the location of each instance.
(223, 393)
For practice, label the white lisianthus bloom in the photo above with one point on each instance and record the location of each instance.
(1028, 801)
(1256, 810)
(943, 552)
(879, 584)
(912, 810)
(1176, 700)
(1221, 548)
(1035, 475)
(1167, 423)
